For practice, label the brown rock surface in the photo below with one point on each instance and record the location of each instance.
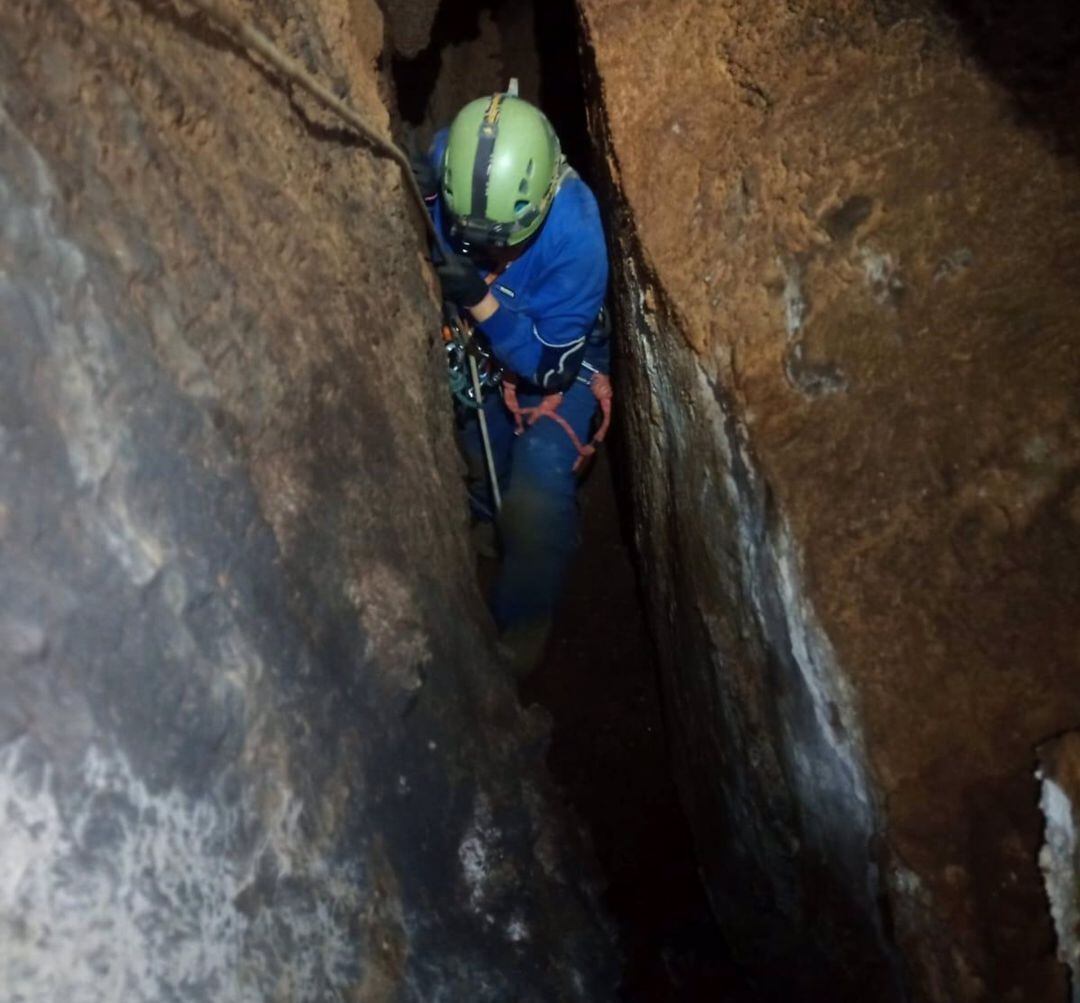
(853, 297)
(254, 742)
(410, 23)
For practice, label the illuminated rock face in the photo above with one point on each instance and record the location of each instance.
(850, 295)
(253, 741)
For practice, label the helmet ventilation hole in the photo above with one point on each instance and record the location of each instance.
(520, 206)
(529, 169)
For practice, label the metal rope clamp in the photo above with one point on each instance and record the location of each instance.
(462, 341)
(473, 373)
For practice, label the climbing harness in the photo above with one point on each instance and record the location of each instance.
(473, 373)
(599, 383)
(525, 417)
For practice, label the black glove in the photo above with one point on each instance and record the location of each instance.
(461, 282)
(427, 178)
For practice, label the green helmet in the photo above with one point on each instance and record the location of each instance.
(501, 171)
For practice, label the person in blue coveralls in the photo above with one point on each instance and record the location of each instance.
(528, 264)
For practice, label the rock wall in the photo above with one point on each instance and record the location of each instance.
(1059, 858)
(409, 24)
(253, 741)
(474, 50)
(849, 294)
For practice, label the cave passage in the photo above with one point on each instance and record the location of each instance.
(598, 677)
(598, 680)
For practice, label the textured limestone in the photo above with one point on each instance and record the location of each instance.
(253, 743)
(851, 299)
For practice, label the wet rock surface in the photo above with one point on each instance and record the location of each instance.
(253, 741)
(850, 289)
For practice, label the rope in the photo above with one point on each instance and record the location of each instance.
(605, 395)
(459, 331)
(485, 436)
(255, 41)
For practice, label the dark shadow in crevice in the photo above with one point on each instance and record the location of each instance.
(609, 753)
(1032, 48)
(457, 21)
(562, 93)
(555, 33)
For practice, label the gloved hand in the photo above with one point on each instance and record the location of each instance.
(461, 282)
(427, 178)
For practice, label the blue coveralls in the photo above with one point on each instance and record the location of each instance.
(549, 301)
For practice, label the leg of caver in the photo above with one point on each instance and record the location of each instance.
(539, 527)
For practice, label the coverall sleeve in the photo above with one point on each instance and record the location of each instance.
(545, 342)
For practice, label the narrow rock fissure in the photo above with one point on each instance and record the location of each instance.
(597, 678)
(600, 678)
